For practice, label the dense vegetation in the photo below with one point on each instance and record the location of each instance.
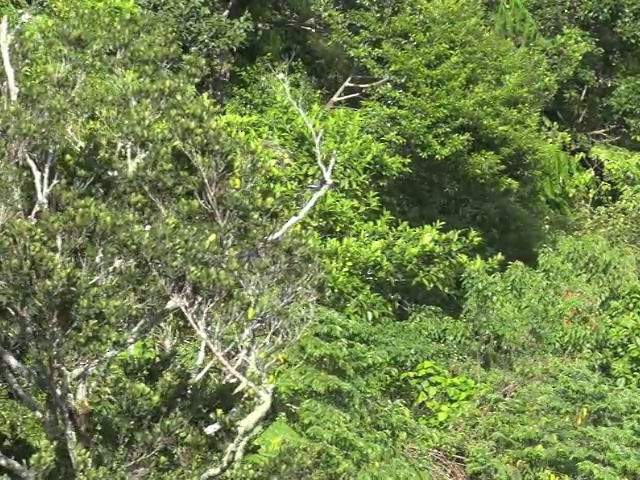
(314, 239)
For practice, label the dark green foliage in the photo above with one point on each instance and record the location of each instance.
(152, 194)
(595, 98)
(461, 104)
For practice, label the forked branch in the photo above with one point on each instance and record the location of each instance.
(188, 308)
(341, 96)
(43, 183)
(326, 168)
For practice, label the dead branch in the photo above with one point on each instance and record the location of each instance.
(445, 467)
(15, 467)
(196, 311)
(142, 458)
(584, 93)
(189, 309)
(248, 428)
(5, 41)
(134, 161)
(340, 96)
(326, 170)
(306, 208)
(42, 182)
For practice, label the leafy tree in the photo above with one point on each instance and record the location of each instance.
(248, 239)
(146, 291)
(597, 93)
(463, 106)
(376, 268)
(552, 418)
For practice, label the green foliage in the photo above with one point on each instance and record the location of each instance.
(551, 418)
(364, 248)
(344, 380)
(151, 326)
(597, 95)
(515, 22)
(153, 192)
(440, 394)
(202, 28)
(616, 196)
(461, 104)
(558, 307)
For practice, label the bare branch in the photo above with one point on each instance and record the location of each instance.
(134, 161)
(26, 399)
(315, 134)
(5, 41)
(204, 371)
(248, 428)
(42, 182)
(209, 198)
(326, 170)
(14, 467)
(142, 458)
(584, 93)
(307, 207)
(348, 83)
(188, 310)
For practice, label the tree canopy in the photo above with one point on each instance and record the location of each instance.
(312, 239)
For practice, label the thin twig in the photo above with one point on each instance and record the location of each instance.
(188, 310)
(140, 459)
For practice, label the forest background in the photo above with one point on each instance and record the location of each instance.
(320, 239)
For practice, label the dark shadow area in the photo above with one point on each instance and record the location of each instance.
(511, 223)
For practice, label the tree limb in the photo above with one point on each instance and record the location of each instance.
(248, 428)
(15, 467)
(14, 364)
(42, 182)
(188, 311)
(348, 83)
(307, 207)
(27, 400)
(326, 170)
(5, 40)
